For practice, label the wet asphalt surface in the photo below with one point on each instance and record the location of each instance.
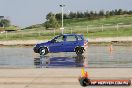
(94, 56)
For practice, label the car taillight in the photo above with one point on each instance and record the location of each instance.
(85, 44)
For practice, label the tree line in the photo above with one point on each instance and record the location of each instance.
(93, 14)
(52, 20)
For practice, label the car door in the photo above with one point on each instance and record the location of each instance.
(58, 44)
(70, 43)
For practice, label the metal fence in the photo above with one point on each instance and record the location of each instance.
(70, 30)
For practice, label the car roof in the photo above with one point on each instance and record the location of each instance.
(71, 34)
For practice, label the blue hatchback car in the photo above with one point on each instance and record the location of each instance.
(62, 43)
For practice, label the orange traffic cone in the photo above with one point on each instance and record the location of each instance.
(86, 74)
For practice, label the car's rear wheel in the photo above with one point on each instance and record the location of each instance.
(43, 51)
(79, 50)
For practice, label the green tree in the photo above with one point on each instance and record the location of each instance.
(66, 16)
(120, 12)
(51, 21)
(130, 12)
(101, 13)
(112, 13)
(87, 14)
(107, 13)
(72, 15)
(91, 15)
(5, 22)
(58, 16)
(116, 12)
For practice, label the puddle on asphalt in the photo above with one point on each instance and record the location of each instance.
(51, 62)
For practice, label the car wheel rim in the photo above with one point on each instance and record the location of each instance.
(43, 51)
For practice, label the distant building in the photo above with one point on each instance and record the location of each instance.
(1, 17)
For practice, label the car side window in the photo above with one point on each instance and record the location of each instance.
(60, 39)
(71, 38)
(79, 38)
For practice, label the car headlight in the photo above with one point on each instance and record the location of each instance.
(35, 46)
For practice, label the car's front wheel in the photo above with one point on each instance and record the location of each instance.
(43, 51)
(79, 50)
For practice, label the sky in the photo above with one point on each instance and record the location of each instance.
(24, 13)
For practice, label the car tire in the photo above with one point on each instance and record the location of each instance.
(43, 51)
(79, 50)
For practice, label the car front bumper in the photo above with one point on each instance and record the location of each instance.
(35, 50)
